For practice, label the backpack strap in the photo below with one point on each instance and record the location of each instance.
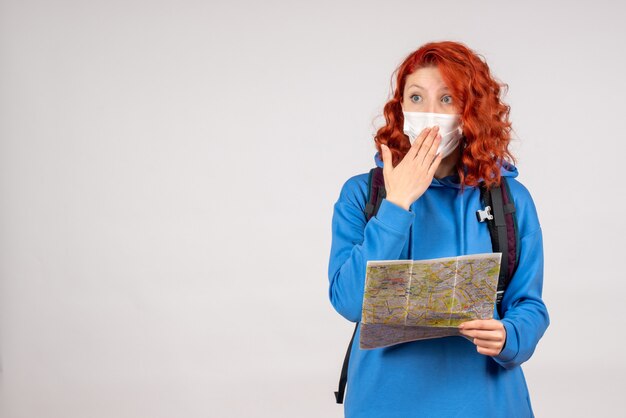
(343, 379)
(503, 230)
(375, 195)
(375, 192)
(512, 227)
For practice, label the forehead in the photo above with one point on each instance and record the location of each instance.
(427, 77)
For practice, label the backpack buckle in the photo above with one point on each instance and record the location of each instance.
(499, 296)
(484, 214)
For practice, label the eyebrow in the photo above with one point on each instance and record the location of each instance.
(418, 86)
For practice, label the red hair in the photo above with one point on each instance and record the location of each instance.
(485, 118)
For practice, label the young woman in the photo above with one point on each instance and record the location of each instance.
(431, 179)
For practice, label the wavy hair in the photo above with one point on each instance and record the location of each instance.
(484, 117)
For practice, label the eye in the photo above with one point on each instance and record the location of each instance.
(447, 96)
(414, 98)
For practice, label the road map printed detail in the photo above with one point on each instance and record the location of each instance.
(409, 300)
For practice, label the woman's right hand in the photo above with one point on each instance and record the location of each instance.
(408, 180)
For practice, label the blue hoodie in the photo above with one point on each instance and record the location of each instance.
(443, 377)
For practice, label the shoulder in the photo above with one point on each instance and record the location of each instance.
(526, 211)
(354, 190)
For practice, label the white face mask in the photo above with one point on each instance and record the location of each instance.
(449, 128)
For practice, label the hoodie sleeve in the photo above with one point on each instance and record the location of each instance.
(354, 242)
(525, 316)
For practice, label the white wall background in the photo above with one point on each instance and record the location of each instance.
(167, 176)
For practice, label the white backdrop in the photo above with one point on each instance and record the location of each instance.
(168, 171)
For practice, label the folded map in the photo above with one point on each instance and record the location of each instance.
(409, 300)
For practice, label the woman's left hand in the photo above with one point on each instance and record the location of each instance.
(489, 335)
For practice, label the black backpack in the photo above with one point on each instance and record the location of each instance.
(498, 212)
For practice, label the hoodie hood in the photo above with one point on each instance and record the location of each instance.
(506, 170)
